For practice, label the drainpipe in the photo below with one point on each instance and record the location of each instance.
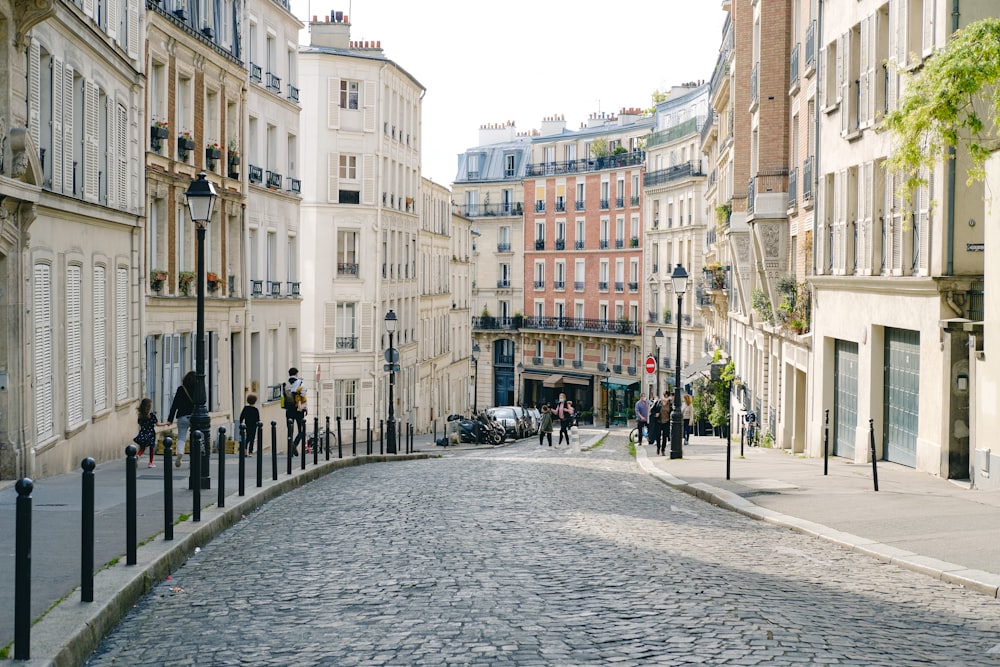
(950, 249)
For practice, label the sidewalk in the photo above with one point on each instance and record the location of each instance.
(933, 526)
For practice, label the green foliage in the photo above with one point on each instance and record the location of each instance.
(599, 148)
(795, 308)
(619, 150)
(711, 400)
(762, 304)
(953, 99)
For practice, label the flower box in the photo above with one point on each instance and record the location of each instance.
(234, 159)
(185, 143)
(186, 280)
(213, 153)
(158, 132)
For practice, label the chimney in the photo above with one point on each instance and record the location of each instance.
(334, 32)
(552, 125)
(495, 133)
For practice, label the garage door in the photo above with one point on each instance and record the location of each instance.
(845, 397)
(902, 394)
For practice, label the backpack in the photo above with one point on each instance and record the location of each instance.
(287, 397)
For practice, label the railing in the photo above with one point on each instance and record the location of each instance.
(683, 170)
(793, 187)
(810, 54)
(560, 206)
(602, 285)
(602, 367)
(633, 287)
(294, 185)
(256, 174)
(603, 244)
(559, 285)
(503, 284)
(558, 362)
(347, 342)
(619, 286)
(255, 73)
(257, 287)
(577, 363)
(540, 206)
(273, 83)
(616, 368)
(489, 210)
(793, 74)
(560, 244)
(539, 284)
(656, 268)
(273, 179)
(293, 93)
(775, 180)
(539, 244)
(634, 159)
(580, 204)
(754, 85)
(619, 244)
(683, 129)
(347, 269)
(274, 288)
(634, 241)
(977, 301)
(503, 247)
(807, 179)
(578, 286)
(605, 204)
(293, 288)
(708, 125)
(652, 317)
(619, 202)
(620, 327)
(537, 361)
(580, 245)
(632, 370)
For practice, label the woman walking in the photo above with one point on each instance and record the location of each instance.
(147, 430)
(182, 407)
(546, 426)
(687, 413)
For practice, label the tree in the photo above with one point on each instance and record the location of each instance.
(599, 147)
(953, 99)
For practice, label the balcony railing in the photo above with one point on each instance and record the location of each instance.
(603, 244)
(490, 210)
(580, 245)
(539, 244)
(537, 361)
(294, 185)
(255, 73)
(558, 362)
(539, 284)
(293, 288)
(256, 174)
(578, 286)
(602, 285)
(619, 202)
(273, 83)
(293, 93)
(578, 363)
(632, 370)
(754, 85)
(503, 247)
(634, 201)
(503, 284)
(793, 74)
(810, 54)
(560, 244)
(652, 317)
(619, 286)
(347, 342)
(274, 288)
(793, 187)
(807, 179)
(605, 204)
(619, 243)
(579, 204)
(540, 206)
(559, 284)
(633, 287)
(347, 269)
(634, 159)
(621, 327)
(257, 287)
(560, 206)
(273, 180)
(678, 171)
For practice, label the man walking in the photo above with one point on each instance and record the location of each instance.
(295, 406)
(655, 407)
(668, 405)
(641, 416)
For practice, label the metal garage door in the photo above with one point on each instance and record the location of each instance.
(902, 394)
(845, 397)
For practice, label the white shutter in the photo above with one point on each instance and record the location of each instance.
(866, 192)
(893, 86)
(112, 19)
(74, 346)
(367, 327)
(927, 36)
(91, 132)
(133, 29)
(121, 146)
(864, 72)
(923, 225)
(44, 426)
(213, 377)
(333, 103)
(369, 108)
(121, 334)
(900, 31)
(838, 220)
(332, 178)
(34, 93)
(111, 154)
(844, 57)
(822, 93)
(874, 69)
(897, 226)
(88, 7)
(330, 326)
(100, 339)
(56, 159)
(841, 77)
(68, 119)
(368, 180)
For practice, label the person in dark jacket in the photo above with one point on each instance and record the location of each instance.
(296, 409)
(181, 408)
(249, 417)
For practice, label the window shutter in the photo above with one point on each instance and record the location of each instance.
(213, 378)
(121, 146)
(923, 223)
(330, 326)
(121, 334)
(333, 103)
(91, 131)
(867, 206)
(840, 69)
(100, 342)
(68, 120)
(844, 60)
(900, 32)
(821, 91)
(34, 92)
(368, 180)
(133, 29)
(874, 69)
(44, 426)
(57, 124)
(864, 73)
(367, 332)
(88, 7)
(369, 109)
(893, 85)
(74, 344)
(112, 20)
(896, 228)
(111, 154)
(927, 37)
(333, 178)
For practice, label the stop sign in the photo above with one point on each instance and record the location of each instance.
(650, 365)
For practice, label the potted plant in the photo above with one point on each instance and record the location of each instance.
(156, 279)
(185, 280)
(233, 153)
(185, 142)
(211, 281)
(159, 130)
(213, 151)
(666, 316)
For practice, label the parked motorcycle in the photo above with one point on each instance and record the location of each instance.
(481, 429)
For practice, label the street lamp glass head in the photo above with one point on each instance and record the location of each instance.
(520, 367)
(658, 336)
(391, 322)
(679, 278)
(475, 347)
(201, 197)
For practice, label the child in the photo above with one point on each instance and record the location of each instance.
(147, 433)
(250, 416)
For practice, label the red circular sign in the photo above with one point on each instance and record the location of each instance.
(650, 365)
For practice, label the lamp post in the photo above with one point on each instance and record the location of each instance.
(520, 390)
(679, 279)
(475, 382)
(658, 341)
(201, 198)
(607, 396)
(392, 357)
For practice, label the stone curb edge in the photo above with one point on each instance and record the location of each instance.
(71, 630)
(975, 580)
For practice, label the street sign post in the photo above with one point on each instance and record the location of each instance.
(650, 365)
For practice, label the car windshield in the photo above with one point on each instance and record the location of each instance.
(503, 413)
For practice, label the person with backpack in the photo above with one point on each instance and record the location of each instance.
(182, 407)
(655, 409)
(293, 399)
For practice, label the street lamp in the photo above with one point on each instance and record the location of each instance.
(607, 396)
(392, 357)
(520, 390)
(201, 198)
(475, 382)
(679, 279)
(658, 341)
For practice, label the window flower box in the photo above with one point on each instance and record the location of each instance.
(185, 142)
(185, 281)
(211, 282)
(159, 131)
(156, 279)
(213, 152)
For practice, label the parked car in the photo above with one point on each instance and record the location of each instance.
(533, 420)
(510, 417)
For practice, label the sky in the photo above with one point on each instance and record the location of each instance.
(485, 62)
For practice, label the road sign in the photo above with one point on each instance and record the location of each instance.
(392, 355)
(650, 365)
(390, 367)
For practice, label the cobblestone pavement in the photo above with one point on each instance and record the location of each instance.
(532, 556)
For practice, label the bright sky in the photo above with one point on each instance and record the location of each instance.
(521, 60)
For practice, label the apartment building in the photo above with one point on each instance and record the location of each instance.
(359, 223)
(898, 279)
(676, 223)
(489, 191)
(267, 164)
(70, 181)
(193, 113)
(584, 228)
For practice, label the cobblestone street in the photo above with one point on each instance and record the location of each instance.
(526, 555)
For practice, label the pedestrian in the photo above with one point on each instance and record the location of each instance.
(146, 438)
(250, 416)
(641, 416)
(181, 408)
(557, 414)
(294, 400)
(687, 414)
(668, 406)
(655, 409)
(545, 426)
(566, 421)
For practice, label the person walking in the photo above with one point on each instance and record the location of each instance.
(545, 426)
(655, 409)
(147, 430)
(294, 397)
(668, 406)
(181, 408)
(250, 416)
(566, 421)
(687, 413)
(641, 416)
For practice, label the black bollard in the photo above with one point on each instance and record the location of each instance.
(871, 440)
(315, 440)
(743, 437)
(131, 513)
(328, 437)
(242, 460)
(368, 436)
(168, 490)
(381, 438)
(354, 436)
(729, 455)
(221, 447)
(196, 439)
(826, 443)
(288, 448)
(340, 440)
(87, 532)
(260, 453)
(304, 448)
(274, 450)
(22, 570)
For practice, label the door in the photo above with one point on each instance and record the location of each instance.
(902, 394)
(845, 398)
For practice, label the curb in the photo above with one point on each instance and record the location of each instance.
(975, 580)
(69, 632)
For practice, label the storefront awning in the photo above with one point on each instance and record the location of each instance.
(700, 367)
(572, 379)
(616, 382)
(553, 381)
(533, 376)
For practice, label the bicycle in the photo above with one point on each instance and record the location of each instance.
(752, 435)
(634, 433)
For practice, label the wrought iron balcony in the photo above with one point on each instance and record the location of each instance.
(347, 342)
(602, 285)
(539, 284)
(560, 244)
(619, 286)
(256, 174)
(577, 363)
(633, 287)
(273, 83)
(503, 247)
(602, 367)
(793, 187)
(579, 204)
(810, 54)
(503, 284)
(537, 361)
(585, 325)
(293, 288)
(605, 204)
(255, 73)
(347, 269)
(294, 185)
(633, 159)
(634, 201)
(560, 206)
(793, 73)
(558, 362)
(559, 284)
(633, 242)
(490, 210)
(578, 286)
(257, 287)
(807, 179)
(652, 317)
(293, 93)
(632, 370)
(273, 288)
(603, 244)
(754, 85)
(616, 368)
(580, 245)
(676, 172)
(540, 206)
(619, 243)
(539, 244)
(273, 180)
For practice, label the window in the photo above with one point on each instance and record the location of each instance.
(349, 167)
(508, 165)
(346, 333)
(347, 252)
(349, 94)
(345, 399)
